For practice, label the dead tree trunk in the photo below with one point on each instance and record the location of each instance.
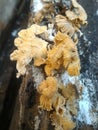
(28, 113)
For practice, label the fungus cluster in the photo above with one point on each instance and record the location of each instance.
(77, 14)
(62, 123)
(63, 54)
(34, 48)
(64, 25)
(55, 97)
(29, 47)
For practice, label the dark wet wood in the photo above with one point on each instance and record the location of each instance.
(9, 85)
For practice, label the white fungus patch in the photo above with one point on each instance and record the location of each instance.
(66, 78)
(86, 112)
(14, 33)
(37, 122)
(38, 75)
(97, 12)
(50, 31)
(38, 5)
(84, 108)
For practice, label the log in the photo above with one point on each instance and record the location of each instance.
(30, 116)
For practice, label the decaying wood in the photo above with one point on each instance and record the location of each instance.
(31, 113)
(38, 114)
(47, 12)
